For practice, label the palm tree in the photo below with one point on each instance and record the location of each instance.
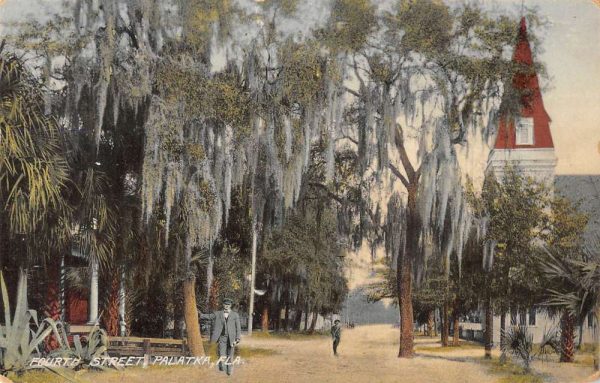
(33, 169)
(591, 279)
(574, 288)
(34, 215)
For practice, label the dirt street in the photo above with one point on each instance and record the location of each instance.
(367, 354)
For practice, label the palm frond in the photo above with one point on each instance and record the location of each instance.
(574, 284)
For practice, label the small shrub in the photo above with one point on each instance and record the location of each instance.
(95, 346)
(519, 343)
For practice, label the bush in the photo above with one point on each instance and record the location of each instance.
(519, 343)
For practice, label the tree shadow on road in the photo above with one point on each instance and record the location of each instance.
(461, 359)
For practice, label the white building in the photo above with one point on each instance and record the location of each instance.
(525, 143)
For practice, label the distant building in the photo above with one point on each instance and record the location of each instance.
(359, 310)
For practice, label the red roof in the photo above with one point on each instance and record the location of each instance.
(532, 105)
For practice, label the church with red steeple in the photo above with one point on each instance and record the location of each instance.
(524, 139)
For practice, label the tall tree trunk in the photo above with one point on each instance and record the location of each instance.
(404, 274)
(456, 329)
(489, 329)
(502, 331)
(406, 309)
(213, 302)
(287, 318)
(580, 338)
(597, 323)
(445, 325)
(430, 323)
(297, 320)
(502, 326)
(306, 318)
(192, 325)
(455, 322)
(567, 337)
(277, 317)
(52, 305)
(110, 316)
(313, 323)
(209, 279)
(3, 243)
(178, 315)
(264, 319)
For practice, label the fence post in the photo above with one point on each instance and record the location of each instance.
(184, 347)
(146, 352)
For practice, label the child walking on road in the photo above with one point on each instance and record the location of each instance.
(336, 333)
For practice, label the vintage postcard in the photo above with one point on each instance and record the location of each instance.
(300, 191)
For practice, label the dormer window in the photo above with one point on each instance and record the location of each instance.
(524, 130)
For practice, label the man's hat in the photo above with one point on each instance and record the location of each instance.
(227, 301)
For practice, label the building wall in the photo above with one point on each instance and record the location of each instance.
(322, 324)
(538, 163)
(543, 325)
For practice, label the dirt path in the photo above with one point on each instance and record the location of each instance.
(367, 354)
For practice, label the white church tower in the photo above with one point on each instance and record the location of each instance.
(524, 141)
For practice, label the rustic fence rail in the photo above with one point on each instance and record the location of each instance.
(133, 346)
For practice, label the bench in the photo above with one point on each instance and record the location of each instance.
(132, 346)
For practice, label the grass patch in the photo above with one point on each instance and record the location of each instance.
(242, 351)
(527, 378)
(251, 352)
(511, 372)
(587, 347)
(287, 335)
(446, 349)
(261, 334)
(584, 359)
(149, 367)
(461, 346)
(36, 377)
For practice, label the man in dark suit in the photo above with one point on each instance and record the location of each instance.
(226, 332)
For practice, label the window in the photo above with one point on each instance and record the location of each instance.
(524, 131)
(532, 316)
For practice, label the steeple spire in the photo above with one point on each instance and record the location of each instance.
(523, 29)
(525, 82)
(524, 137)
